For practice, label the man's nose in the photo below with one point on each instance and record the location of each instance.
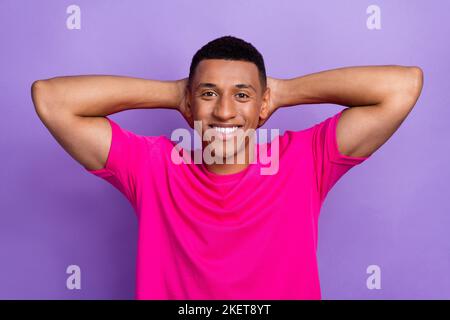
(225, 109)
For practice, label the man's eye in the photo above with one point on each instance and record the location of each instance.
(246, 96)
(241, 95)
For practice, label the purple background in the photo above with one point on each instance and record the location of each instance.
(392, 211)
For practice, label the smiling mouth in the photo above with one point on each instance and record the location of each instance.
(225, 129)
(226, 132)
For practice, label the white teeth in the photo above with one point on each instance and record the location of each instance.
(225, 130)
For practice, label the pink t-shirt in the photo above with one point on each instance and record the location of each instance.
(238, 236)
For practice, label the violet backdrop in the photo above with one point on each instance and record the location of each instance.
(392, 211)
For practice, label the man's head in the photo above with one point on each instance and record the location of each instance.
(227, 86)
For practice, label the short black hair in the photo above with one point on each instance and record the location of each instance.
(229, 48)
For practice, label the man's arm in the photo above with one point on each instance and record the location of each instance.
(379, 99)
(73, 109)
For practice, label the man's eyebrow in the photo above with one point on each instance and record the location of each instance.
(245, 86)
(212, 85)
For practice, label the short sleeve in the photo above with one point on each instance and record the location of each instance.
(330, 165)
(126, 152)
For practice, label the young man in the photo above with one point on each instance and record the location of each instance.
(224, 230)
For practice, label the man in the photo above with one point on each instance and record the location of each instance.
(224, 230)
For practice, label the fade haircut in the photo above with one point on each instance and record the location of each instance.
(229, 48)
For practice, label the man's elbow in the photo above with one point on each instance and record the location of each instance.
(416, 82)
(36, 91)
(405, 92)
(39, 96)
(409, 86)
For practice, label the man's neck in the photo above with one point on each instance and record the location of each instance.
(224, 169)
(230, 168)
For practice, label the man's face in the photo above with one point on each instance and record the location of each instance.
(226, 95)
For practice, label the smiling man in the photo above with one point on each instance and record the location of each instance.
(224, 230)
(226, 93)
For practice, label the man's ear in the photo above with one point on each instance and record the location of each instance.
(264, 112)
(188, 108)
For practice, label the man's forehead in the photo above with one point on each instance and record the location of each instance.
(211, 65)
(226, 73)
